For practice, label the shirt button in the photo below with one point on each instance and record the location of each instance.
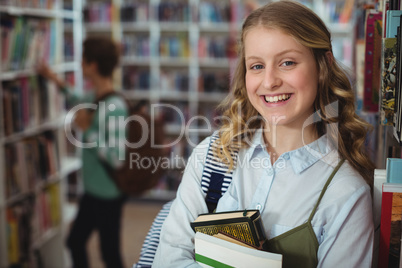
(270, 172)
(258, 206)
(286, 156)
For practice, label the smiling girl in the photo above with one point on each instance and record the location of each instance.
(291, 110)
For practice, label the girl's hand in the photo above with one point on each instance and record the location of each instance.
(43, 69)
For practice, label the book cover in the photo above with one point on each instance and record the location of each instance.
(245, 225)
(372, 66)
(212, 251)
(398, 86)
(394, 170)
(12, 237)
(388, 81)
(347, 11)
(390, 229)
(393, 20)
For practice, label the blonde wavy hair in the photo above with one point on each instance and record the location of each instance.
(343, 127)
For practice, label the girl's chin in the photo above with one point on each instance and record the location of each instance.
(276, 119)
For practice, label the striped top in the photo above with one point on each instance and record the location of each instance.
(214, 165)
(215, 173)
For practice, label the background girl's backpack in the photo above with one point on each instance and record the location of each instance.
(141, 170)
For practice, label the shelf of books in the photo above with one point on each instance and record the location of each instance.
(33, 156)
(182, 53)
(380, 97)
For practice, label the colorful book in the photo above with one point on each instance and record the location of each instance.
(211, 251)
(388, 81)
(393, 20)
(372, 68)
(390, 230)
(394, 170)
(244, 225)
(398, 87)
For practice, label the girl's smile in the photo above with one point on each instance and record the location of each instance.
(277, 99)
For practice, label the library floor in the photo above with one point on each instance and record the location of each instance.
(137, 219)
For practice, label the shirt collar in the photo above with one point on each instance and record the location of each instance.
(301, 158)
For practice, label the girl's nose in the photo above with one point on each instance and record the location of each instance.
(271, 79)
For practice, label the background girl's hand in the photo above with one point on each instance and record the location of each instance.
(43, 69)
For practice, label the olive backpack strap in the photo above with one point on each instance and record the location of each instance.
(216, 179)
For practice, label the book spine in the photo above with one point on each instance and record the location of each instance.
(389, 48)
(372, 63)
(259, 229)
(390, 231)
(392, 23)
(394, 169)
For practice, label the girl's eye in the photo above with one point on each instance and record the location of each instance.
(288, 63)
(257, 67)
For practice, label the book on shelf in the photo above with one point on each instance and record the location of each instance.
(173, 12)
(98, 12)
(25, 41)
(19, 232)
(390, 228)
(136, 78)
(373, 61)
(134, 12)
(174, 45)
(29, 101)
(214, 81)
(245, 225)
(209, 12)
(388, 81)
(392, 23)
(398, 87)
(212, 251)
(346, 11)
(30, 161)
(394, 170)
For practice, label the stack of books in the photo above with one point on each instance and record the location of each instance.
(388, 213)
(232, 239)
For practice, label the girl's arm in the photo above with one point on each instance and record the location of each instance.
(348, 242)
(176, 245)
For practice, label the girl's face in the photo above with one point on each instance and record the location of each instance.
(281, 77)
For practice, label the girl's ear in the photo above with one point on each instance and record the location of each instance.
(330, 57)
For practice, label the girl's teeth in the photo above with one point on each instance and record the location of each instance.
(277, 98)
